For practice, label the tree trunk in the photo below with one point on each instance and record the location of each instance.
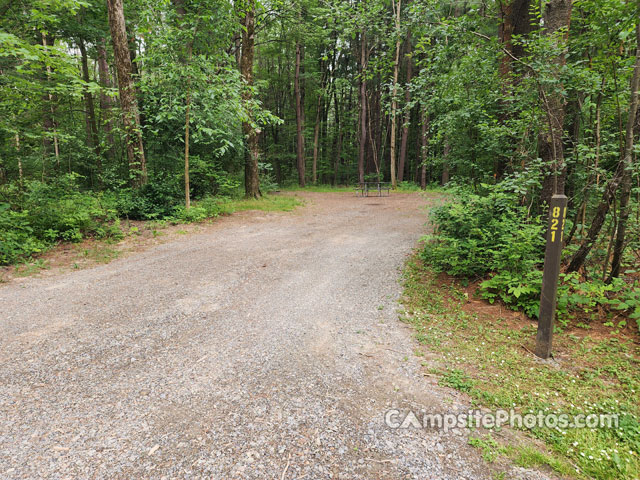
(620, 177)
(363, 106)
(445, 162)
(316, 128)
(424, 146)
(128, 102)
(625, 190)
(556, 16)
(90, 114)
(185, 62)
(516, 19)
(49, 121)
(394, 101)
(299, 119)
(105, 100)
(407, 118)
(251, 177)
(19, 157)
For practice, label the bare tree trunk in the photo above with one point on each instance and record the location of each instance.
(105, 100)
(424, 146)
(445, 162)
(49, 117)
(337, 138)
(625, 186)
(556, 16)
(180, 9)
(363, 106)
(407, 118)
(316, 128)
(619, 177)
(516, 19)
(251, 177)
(394, 101)
(128, 102)
(90, 115)
(19, 158)
(187, 188)
(299, 119)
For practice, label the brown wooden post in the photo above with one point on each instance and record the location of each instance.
(552, 256)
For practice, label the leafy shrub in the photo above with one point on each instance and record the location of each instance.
(206, 208)
(208, 178)
(475, 235)
(155, 200)
(16, 236)
(492, 236)
(629, 299)
(59, 211)
(520, 291)
(39, 214)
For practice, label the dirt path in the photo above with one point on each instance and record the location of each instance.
(265, 347)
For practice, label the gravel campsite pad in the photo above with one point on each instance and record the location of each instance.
(267, 346)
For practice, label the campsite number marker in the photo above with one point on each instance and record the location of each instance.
(553, 251)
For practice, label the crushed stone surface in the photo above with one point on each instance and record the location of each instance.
(267, 346)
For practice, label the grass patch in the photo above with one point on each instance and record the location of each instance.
(267, 203)
(31, 268)
(99, 253)
(489, 358)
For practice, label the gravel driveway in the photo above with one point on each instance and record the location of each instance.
(265, 347)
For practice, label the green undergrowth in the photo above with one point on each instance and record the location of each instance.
(489, 358)
(36, 216)
(493, 238)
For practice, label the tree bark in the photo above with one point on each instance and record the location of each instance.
(621, 176)
(17, 138)
(316, 128)
(300, 163)
(105, 100)
(407, 118)
(556, 16)
(394, 101)
(90, 115)
(49, 121)
(187, 188)
(445, 162)
(516, 19)
(252, 153)
(185, 62)
(363, 106)
(128, 101)
(424, 146)
(625, 187)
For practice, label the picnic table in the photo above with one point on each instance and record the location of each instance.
(363, 188)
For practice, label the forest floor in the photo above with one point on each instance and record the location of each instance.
(262, 346)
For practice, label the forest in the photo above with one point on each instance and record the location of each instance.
(166, 112)
(112, 110)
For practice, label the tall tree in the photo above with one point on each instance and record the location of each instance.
(105, 100)
(362, 119)
(407, 116)
(556, 15)
(397, 6)
(622, 176)
(300, 157)
(127, 90)
(252, 150)
(90, 113)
